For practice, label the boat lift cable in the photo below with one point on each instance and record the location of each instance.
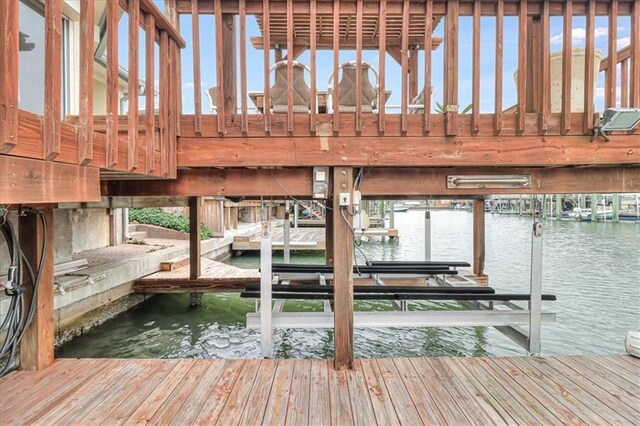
(15, 322)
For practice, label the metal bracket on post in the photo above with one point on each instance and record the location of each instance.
(266, 331)
(286, 232)
(535, 304)
(427, 235)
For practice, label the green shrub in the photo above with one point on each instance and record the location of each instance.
(155, 216)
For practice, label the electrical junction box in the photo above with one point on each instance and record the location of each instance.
(321, 182)
(344, 199)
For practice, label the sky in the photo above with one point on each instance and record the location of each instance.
(255, 74)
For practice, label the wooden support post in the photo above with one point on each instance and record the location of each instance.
(594, 207)
(343, 269)
(112, 15)
(229, 85)
(36, 347)
(615, 207)
(558, 206)
(195, 217)
(478, 237)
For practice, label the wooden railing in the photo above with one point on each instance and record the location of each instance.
(402, 29)
(148, 148)
(622, 58)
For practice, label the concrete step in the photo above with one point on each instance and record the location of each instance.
(138, 235)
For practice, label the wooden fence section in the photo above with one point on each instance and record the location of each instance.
(403, 29)
(139, 147)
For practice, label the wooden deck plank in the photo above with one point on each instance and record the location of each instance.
(563, 390)
(219, 395)
(506, 400)
(511, 390)
(276, 412)
(170, 407)
(441, 398)
(586, 385)
(632, 388)
(53, 386)
(562, 411)
(363, 413)
(404, 406)
(254, 412)
(154, 401)
(195, 402)
(379, 394)
(529, 404)
(320, 411)
(124, 410)
(299, 396)
(240, 394)
(339, 400)
(466, 400)
(484, 395)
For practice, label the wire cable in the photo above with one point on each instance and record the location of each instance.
(15, 323)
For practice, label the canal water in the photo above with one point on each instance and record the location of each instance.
(592, 268)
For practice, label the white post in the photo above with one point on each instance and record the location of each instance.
(287, 237)
(392, 214)
(535, 304)
(295, 215)
(427, 235)
(266, 337)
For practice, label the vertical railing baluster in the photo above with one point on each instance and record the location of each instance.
(112, 84)
(9, 70)
(335, 97)
(475, 112)
(85, 131)
(428, 30)
(404, 92)
(149, 91)
(266, 30)
(164, 103)
(567, 58)
(545, 78)
(451, 68)
(522, 67)
(624, 84)
(243, 66)
(290, 59)
(134, 35)
(589, 68)
(382, 37)
(313, 35)
(52, 78)
(220, 68)
(359, 36)
(197, 80)
(174, 109)
(499, 66)
(611, 77)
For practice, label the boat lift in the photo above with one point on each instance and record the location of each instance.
(521, 322)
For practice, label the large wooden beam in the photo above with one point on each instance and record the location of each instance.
(184, 285)
(526, 151)
(195, 242)
(24, 181)
(380, 182)
(343, 269)
(36, 347)
(478, 237)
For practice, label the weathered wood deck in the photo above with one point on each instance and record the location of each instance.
(519, 390)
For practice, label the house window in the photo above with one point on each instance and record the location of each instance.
(31, 58)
